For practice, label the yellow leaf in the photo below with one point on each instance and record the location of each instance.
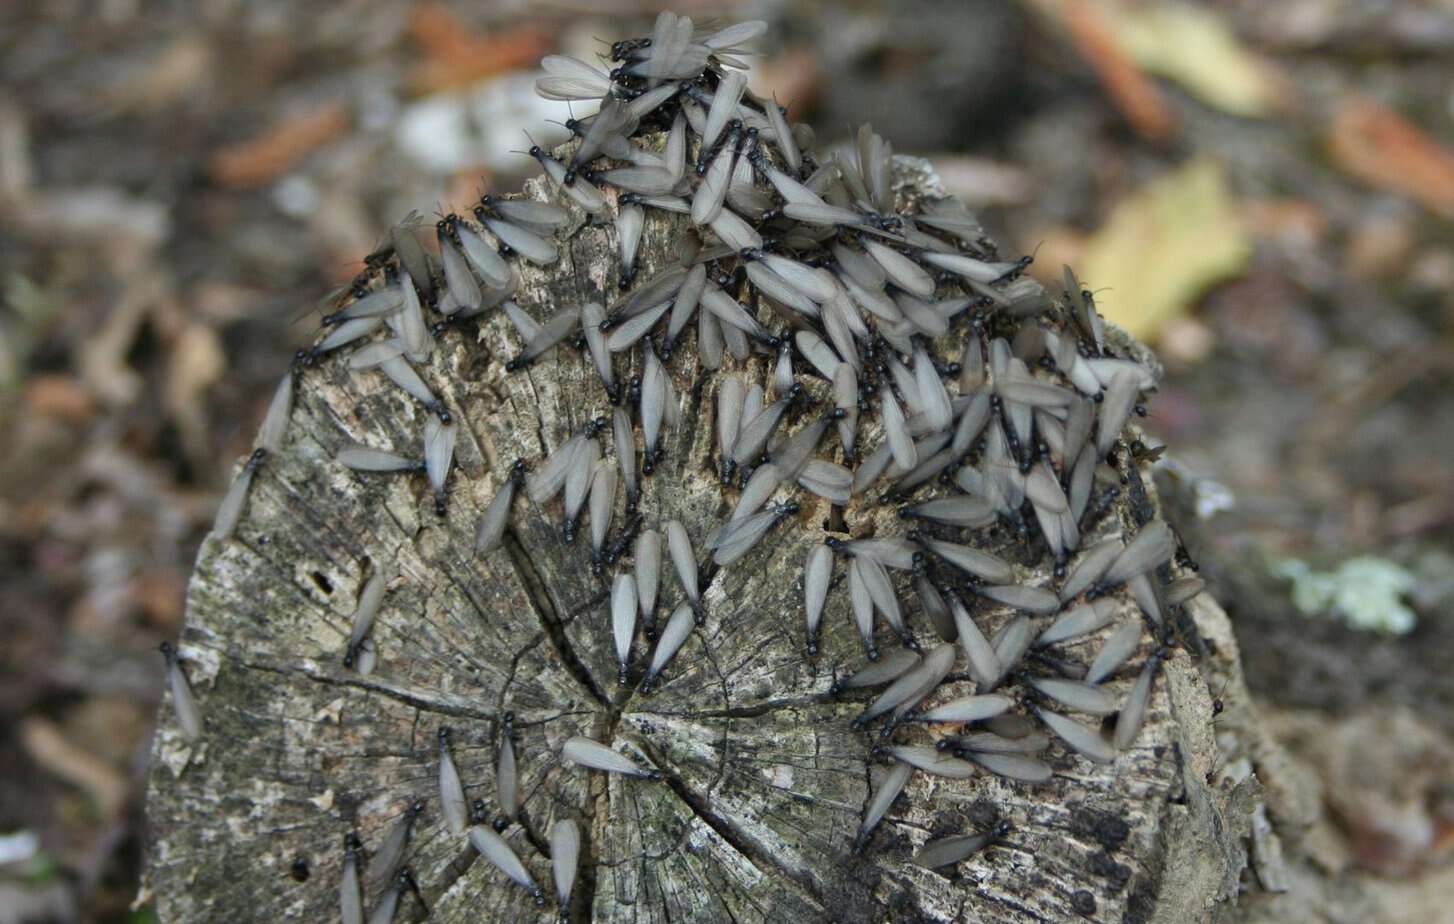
(1163, 246)
(1194, 47)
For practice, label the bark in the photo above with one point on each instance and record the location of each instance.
(765, 780)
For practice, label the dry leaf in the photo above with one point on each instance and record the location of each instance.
(60, 396)
(273, 153)
(454, 55)
(1163, 246)
(198, 363)
(179, 70)
(48, 746)
(1194, 47)
(1385, 150)
(1131, 90)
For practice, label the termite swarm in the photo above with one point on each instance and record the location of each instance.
(856, 347)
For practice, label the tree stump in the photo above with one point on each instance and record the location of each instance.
(765, 782)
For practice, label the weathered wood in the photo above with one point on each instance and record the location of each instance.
(765, 780)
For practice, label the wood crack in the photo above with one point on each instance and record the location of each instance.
(745, 712)
(759, 857)
(549, 616)
(443, 704)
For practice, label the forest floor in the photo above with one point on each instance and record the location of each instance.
(1265, 192)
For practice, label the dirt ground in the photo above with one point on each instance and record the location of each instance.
(181, 183)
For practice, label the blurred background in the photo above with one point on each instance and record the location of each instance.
(1263, 191)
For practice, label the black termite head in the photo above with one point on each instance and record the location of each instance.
(517, 473)
(1184, 559)
(1019, 267)
(628, 535)
(444, 736)
(441, 504)
(351, 843)
(299, 869)
(375, 261)
(169, 652)
(255, 460)
(633, 389)
(440, 411)
(448, 226)
(744, 475)
(699, 613)
(619, 50)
